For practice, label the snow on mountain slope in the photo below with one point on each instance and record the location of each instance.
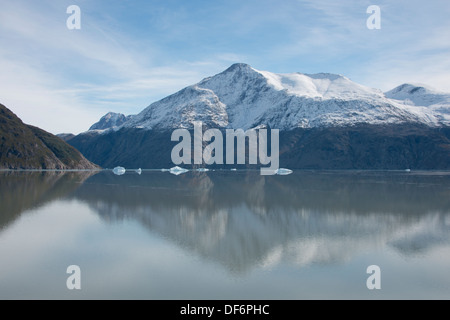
(243, 97)
(419, 95)
(322, 85)
(179, 110)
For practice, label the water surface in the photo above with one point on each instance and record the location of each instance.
(224, 235)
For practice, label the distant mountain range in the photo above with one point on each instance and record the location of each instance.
(326, 121)
(24, 146)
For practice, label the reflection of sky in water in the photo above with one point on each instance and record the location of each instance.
(225, 236)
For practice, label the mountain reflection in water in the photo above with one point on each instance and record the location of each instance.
(242, 220)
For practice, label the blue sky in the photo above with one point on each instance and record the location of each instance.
(129, 54)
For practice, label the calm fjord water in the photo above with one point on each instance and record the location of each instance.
(224, 235)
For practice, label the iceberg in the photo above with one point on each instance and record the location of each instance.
(139, 171)
(233, 169)
(283, 171)
(119, 171)
(202, 169)
(177, 170)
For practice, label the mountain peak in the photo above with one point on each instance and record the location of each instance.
(111, 114)
(411, 88)
(419, 95)
(110, 120)
(238, 66)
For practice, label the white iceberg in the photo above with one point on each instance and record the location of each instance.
(119, 171)
(139, 171)
(202, 169)
(233, 169)
(283, 171)
(177, 170)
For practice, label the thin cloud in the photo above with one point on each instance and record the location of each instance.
(130, 54)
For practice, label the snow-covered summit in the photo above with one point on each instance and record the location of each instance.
(243, 97)
(110, 120)
(420, 95)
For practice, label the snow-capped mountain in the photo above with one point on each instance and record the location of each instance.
(110, 120)
(326, 121)
(419, 95)
(243, 97)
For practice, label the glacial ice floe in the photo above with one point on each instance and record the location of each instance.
(283, 171)
(177, 170)
(119, 171)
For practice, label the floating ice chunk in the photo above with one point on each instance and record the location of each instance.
(202, 169)
(177, 170)
(139, 171)
(234, 169)
(283, 171)
(164, 170)
(408, 170)
(119, 171)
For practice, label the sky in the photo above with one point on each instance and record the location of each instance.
(130, 53)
